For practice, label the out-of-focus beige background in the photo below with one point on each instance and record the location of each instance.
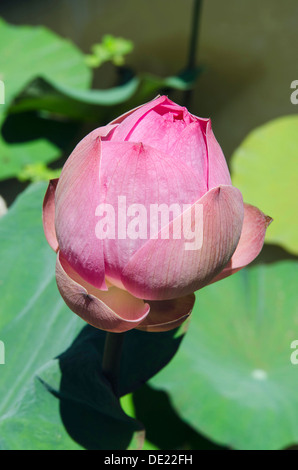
(248, 48)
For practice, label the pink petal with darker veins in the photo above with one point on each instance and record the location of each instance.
(163, 268)
(140, 176)
(77, 197)
(191, 148)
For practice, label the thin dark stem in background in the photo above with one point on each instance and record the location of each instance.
(193, 45)
(112, 358)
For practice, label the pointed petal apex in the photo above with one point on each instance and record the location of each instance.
(251, 241)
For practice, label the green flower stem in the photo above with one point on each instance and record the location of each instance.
(193, 44)
(112, 358)
(194, 34)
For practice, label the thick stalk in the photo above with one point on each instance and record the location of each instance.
(112, 358)
(193, 44)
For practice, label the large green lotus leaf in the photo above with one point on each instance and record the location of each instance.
(233, 379)
(265, 168)
(27, 52)
(35, 325)
(90, 105)
(164, 427)
(44, 72)
(43, 422)
(53, 392)
(47, 403)
(89, 409)
(94, 105)
(37, 423)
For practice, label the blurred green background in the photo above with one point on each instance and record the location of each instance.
(232, 383)
(247, 48)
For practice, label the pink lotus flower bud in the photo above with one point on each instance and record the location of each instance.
(143, 215)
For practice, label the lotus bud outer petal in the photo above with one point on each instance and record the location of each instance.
(77, 197)
(115, 311)
(191, 148)
(143, 175)
(163, 269)
(113, 252)
(167, 315)
(76, 200)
